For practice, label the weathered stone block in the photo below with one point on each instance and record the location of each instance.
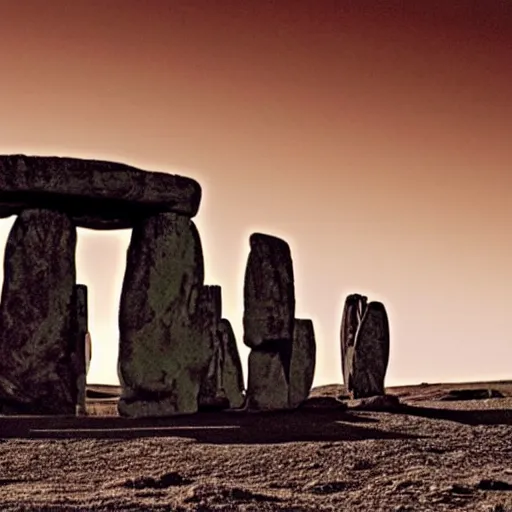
(95, 194)
(269, 294)
(302, 369)
(371, 353)
(36, 334)
(211, 395)
(164, 351)
(355, 307)
(268, 387)
(232, 373)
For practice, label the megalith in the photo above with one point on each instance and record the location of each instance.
(371, 353)
(355, 307)
(223, 386)
(268, 321)
(303, 362)
(94, 194)
(164, 349)
(269, 293)
(232, 373)
(211, 394)
(36, 331)
(80, 350)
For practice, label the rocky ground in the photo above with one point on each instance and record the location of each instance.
(430, 453)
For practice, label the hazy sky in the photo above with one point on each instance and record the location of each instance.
(376, 140)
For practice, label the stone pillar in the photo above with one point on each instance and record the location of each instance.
(211, 395)
(371, 353)
(303, 362)
(232, 373)
(80, 349)
(355, 307)
(36, 335)
(269, 310)
(164, 350)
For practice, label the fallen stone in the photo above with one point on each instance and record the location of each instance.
(376, 403)
(371, 353)
(95, 194)
(471, 394)
(353, 312)
(267, 388)
(302, 369)
(323, 402)
(269, 295)
(232, 373)
(35, 316)
(164, 349)
(80, 350)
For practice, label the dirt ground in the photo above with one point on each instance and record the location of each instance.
(426, 454)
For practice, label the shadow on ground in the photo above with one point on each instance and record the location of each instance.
(468, 417)
(211, 428)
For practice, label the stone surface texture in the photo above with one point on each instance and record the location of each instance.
(36, 335)
(164, 350)
(371, 353)
(355, 306)
(303, 362)
(95, 194)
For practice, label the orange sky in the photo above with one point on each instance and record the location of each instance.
(375, 140)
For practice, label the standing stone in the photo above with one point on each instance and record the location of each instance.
(371, 353)
(164, 351)
(269, 293)
(36, 336)
(268, 388)
(303, 362)
(269, 310)
(232, 373)
(355, 307)
(80, 349)
(211, 395)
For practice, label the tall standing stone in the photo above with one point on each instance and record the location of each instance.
(269, 311)
(371, 353)
(36, 335)
(211, 395)
(355, 307)
(232, 373)
(164, 351)
(80, 349)
(303, 362)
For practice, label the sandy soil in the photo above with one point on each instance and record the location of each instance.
(427, 454)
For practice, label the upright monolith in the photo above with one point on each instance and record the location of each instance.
(36, 332)
(164, 349)
(355, 307)
(211, 394)
(303, 362)
(268, 320)
(80, 349)
(371, 353)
